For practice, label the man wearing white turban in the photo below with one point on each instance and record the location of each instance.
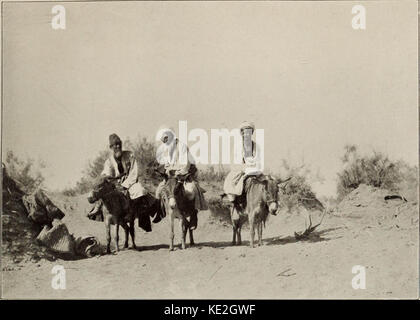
(175, 157)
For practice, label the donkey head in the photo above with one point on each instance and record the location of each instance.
(271, 193)
(172, 189)
(101, 188)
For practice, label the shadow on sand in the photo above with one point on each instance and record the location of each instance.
(317, 236)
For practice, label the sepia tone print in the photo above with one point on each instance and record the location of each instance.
(210, 150)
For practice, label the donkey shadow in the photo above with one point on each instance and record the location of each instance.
(200, 245)
(316, 236)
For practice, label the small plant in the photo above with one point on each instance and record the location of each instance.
(24, 172)
(375, 170)
(298, 188)
(211, 174)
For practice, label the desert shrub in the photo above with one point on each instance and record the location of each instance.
(298, 188)
(375, 170)
(145, 153)
(92, 170)
(24, 172)
(212, 175)
(69, 192)
(219, 209)
(409, 184)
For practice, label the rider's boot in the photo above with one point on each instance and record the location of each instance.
(96, 209)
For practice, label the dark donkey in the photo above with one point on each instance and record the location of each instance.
(178, 204)
(118, 211)
(261, 199)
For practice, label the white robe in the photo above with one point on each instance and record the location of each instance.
(135, 189)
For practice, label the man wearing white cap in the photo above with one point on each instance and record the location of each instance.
(234, 181)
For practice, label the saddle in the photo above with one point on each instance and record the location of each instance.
(240, 201)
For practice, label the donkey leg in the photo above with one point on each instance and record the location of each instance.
(251, 230)
(126, 229)
(117, 236)
(108, 235)
(190, 232)
(183, 225)
(238, 234)
(132, 234)
(235, 223)
(234, 230)
(171, 234)
(259, 233)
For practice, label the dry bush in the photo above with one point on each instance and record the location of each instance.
(24, 172)
(145, 153)
(298, 188)
(409, 184)
(375, 170)
(212, 175)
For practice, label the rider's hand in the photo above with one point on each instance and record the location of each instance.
(120, 188)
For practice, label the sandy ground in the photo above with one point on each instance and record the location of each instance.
(320, 267)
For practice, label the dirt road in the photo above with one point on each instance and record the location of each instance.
(320, 267)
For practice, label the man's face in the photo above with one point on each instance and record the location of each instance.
(247, 136)
(116, 148)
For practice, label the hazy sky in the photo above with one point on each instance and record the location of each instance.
(297, 69)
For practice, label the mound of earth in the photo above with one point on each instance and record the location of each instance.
(33, 228)
(379, 206)
(18, 232)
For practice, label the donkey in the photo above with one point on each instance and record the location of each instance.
(261, 199)
(179, 204)
(118, 211)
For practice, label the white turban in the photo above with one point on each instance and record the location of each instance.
(247, 125)
(165, 132)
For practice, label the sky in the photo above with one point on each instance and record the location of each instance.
(298, 70)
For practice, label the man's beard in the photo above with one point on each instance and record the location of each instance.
(117, 154)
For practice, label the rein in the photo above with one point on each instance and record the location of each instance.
(269, 199)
